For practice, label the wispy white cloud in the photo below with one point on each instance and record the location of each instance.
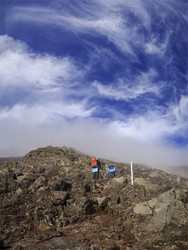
(151, 127)
(108, 19)
(155, 47)
(57, 76)
(49, 113)
(20, 66)
(134, 6)
(102, 57)
(178, 114)
(111, 27)
(156, 125)
(49, 82)
(126, 90)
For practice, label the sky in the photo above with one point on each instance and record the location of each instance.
(108, 78)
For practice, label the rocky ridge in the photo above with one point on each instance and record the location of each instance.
(48, 201)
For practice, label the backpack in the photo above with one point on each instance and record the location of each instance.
(94, 162)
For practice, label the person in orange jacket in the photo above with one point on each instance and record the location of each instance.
(96, 167)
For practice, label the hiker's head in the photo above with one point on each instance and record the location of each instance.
(97, 158)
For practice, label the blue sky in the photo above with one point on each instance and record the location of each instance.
(105, 77)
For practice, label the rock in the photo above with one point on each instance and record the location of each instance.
(167, 209)
(142, 208)
(60, 243)
(148, 185)
(58, 184)
(103, 202)
(116, 183)
(40, 182)
(155, 174)
(58, 197)
(19, 191)
(87, 187)
(141, 181)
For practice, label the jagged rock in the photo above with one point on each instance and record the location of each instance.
(118, 181)
(167, 210)
(103, 202)
(40, 182)
(58, 197)
(142, 208)
(58, 184)
(48, 201)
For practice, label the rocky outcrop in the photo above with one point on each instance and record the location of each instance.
(48, 201)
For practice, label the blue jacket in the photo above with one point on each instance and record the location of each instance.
(111, 169)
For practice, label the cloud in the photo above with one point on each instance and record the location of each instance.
(124, 89)
(38, 114)
(56, 93)
(181, 111)
(122, 113)
(156, 125)
(88, 137)
(155, 47)
(20, 66)
(106, 19)
(149, 128)
(126, 24)
(52, 84)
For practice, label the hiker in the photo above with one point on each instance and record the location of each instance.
(96, 167)
(112, 170)
(99, 165)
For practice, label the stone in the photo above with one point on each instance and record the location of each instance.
(103, 202)
(58, 197)
(142, 208)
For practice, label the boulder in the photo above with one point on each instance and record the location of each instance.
(38, 183)
(103, 202)
(166, 209)
(116, 183)
(58, 197)
(142, 208)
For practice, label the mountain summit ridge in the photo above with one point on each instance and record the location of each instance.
(48, 201)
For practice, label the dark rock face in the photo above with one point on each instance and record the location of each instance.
(48, 201)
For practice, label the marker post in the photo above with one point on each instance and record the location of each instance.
(131, 173)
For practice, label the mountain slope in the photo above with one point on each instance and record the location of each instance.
(48, 201)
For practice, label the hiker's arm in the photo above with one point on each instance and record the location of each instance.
(107, 172)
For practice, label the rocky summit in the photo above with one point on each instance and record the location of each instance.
(48, 201)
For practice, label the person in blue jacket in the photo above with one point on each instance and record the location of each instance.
(112, 170)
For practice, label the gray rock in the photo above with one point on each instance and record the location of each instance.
(58, 197)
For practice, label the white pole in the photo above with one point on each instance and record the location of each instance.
(131, 173)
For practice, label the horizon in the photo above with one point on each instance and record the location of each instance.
(181, 171)
(106, 78)
(160, 167)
